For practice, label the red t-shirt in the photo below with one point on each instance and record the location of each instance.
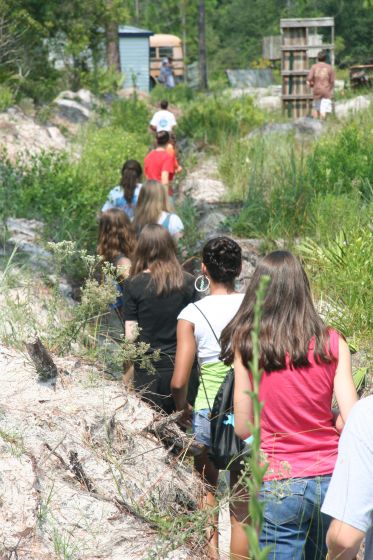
(299, 438)
(156, 162)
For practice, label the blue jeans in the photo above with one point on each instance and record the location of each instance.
(293, 523)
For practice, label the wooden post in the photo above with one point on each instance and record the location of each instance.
(202, 45)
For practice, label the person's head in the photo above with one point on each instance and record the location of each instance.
(151, 203)
(130, 176)
(156, 252)
(116, 235)
(321, 56)
(164, 104)
(222, 260)
(162, 138)
(289, 320)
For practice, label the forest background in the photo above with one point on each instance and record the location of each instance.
(83, 30)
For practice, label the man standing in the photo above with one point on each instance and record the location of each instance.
(349, 499)
(163, 119)
(321, 79)
(159, 164)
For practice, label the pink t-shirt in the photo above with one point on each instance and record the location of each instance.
(298, 435)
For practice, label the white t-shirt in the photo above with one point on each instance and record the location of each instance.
(163, 120)
(219, 310)
(171, 222)
(350, 494)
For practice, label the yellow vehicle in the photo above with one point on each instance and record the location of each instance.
(166, 46)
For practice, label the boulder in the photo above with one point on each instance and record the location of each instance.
(72, 111)
(344, 109)
(22, 137)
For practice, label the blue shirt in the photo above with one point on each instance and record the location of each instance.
(116, 199)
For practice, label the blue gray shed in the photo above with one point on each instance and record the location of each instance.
(134, 56)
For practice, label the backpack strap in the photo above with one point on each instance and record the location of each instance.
(166, 221)
(208, 322)
(217, 340)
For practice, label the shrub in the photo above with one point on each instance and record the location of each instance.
(67, 195)
(344, 161)
(180, 94)
(132, 115)
(211, 120)
(6, 98)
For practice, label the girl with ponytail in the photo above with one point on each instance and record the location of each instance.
(125, 195)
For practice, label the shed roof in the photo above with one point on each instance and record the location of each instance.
(307, 22)
(131, 31)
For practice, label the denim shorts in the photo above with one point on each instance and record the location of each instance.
(293, 524)
(201, 426)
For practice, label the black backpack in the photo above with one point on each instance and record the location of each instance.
(227, 450)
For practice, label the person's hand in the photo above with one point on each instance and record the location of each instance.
(186, 417)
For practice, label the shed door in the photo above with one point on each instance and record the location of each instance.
(134, 61)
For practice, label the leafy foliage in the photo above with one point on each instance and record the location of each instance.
(211, 120)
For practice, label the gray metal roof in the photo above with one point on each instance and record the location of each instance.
(130, 30)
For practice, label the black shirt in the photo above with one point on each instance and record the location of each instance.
(155, 314)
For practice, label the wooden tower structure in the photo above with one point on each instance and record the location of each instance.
(302, 39)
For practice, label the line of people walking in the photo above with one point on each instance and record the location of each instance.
(202, 327)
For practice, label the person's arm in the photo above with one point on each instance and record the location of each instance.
(241, 399)
(344, 387)
(165, 177)
(343, 541)
(185, 355)
(152, 128)
(123, 267)
(310, 77)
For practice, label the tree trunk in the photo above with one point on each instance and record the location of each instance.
(202, 45)
(112, 47)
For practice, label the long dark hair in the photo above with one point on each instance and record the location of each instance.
(156, 251)
(130, 176)
(289, 319)
(116, 235)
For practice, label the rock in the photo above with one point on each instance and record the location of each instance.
(25, 235)
(212, 221)
(72, 111)
(303, 127)
(203, 184)
(22, 137)
(309, 127)
(344, 109)
(79, 471)
(82, 96)
(269, 102)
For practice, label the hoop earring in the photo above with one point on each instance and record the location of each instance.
(202, 283)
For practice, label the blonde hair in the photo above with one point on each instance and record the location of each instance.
(156, 252)
(151, 203)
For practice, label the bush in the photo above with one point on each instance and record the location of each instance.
(67, 195)
(212, 120)
(6, 98)
(178, 95)
(289, 193)
(132, 115)
(344, 161)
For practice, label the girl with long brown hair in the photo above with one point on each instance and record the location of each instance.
(116, 240)
(126, 194)
(304, 362)
(157, 290)
(152, 209)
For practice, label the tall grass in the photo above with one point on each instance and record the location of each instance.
(291, 189)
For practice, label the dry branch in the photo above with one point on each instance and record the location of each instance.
(167, 431)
